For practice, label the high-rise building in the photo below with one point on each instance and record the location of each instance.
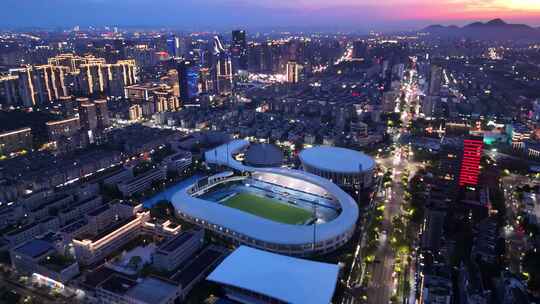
(90, 75)
(72, 61)
(68, 105)
(435, 81)
(38, 85)
(239, 55)
(429, 105)
(188, 80)
(470, 162)
(359, 49)
(205, 80)
(293, 72)
(172, 45)
(63, 129)
(135, 112)
(88, 116)
(222, 68)
(102, 114)
(9, 92)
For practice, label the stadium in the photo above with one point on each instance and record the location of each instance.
(281, 210)
(345, 167)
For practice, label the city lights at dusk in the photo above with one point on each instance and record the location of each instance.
(270, 151)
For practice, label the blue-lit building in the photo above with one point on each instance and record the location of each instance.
(239, 55)
(173, 45)
(188, 79)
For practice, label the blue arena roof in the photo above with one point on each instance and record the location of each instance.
(281, 277)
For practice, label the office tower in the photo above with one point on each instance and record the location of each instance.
(239, 56)
(292, 72)
(205, 80)
(188, 80)
(184, 47)
(470, 162)
(102, 114)
(359, 49)
(143, 55)
(172, 45)
(222, 68)
(435, 81)
(429, 105)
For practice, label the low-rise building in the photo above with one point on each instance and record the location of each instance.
(41, 257)
(15, 141)
(141, 182)
(177, 250)
(92, 247)
(178, 162)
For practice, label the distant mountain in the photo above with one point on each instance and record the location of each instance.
(495, 29)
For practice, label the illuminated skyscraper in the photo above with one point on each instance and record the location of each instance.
(172, 45)
(293, 72)
(39, 85)
(222, 68)
(470, 163)
(102, 114)
(88, 116)
(359, 49)
(239, 55)
(188, 80)
(435, 81)
(9, 91)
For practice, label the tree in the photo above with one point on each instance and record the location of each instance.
(163, 209)
(135, 262)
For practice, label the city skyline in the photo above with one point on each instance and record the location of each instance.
(225, 14)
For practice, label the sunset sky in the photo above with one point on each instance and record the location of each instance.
(216, 14)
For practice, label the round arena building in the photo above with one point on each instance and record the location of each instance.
(345, 167)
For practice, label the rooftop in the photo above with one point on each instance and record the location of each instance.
(118, 284)
(151, 290)
(176, 241)
(204, 260)
(264, 155)
(34, 248)
(337, 159)
(292, 280)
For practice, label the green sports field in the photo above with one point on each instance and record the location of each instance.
(268, 208)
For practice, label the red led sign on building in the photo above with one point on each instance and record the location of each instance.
(470, 165)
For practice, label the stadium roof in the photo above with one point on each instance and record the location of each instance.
(260, 228)
(336, 159)
(281, 277)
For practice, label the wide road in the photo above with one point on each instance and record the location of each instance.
(516, 242)
(382, 285)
